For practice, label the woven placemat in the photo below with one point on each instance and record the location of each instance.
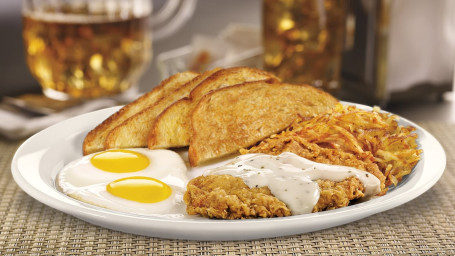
(424, 226)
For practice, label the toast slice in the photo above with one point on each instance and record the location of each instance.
(133, 132)
(239, 116)
(172, 128)
(94, 141)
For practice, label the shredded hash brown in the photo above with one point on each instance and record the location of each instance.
(346, 135)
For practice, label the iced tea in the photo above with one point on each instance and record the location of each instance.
(303, 40)
(83, 56)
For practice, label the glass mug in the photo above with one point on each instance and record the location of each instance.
(303, 41)
(93, 48)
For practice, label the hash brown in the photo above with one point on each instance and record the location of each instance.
(346, 135)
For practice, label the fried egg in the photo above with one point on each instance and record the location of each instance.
(136, 180)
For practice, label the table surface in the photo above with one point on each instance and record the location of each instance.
(424, 226)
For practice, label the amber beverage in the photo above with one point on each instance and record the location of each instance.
(84, 56)
(303, 41)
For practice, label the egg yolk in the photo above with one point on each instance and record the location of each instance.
(140, 189)
(120, 161)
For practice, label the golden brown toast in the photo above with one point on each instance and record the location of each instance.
(172, 128)
(239, 116)
(133, 132)
(94, 141)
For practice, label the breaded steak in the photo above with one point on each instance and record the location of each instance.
(228, 197)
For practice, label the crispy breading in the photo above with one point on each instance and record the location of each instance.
(172, 128)
(335, 195)
(228, 197)
(346, 135)
(300, 146)
(237, 116)
(94, 141)
(133, 132)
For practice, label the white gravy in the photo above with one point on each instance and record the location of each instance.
(291, 178)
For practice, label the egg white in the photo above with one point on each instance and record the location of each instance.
(81, 180)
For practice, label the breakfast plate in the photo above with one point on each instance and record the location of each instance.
(38, 160)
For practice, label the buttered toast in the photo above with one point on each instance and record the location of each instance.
(134, 131)
(215, 113)
(94, 141)
(172, 128)
(239, 116)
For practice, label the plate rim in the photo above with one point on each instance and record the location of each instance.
(220, 230)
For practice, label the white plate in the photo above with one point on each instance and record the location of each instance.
(39, 159)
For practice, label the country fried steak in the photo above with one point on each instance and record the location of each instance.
(228, 197)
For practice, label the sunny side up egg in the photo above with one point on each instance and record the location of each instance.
(138, 180)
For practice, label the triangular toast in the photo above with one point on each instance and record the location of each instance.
(239, 116)
(172, 128)
(133, 132)
(94, 141)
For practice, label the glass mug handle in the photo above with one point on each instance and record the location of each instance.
(171, 17)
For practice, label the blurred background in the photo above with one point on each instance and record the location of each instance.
(398, 54)
(209, 18)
